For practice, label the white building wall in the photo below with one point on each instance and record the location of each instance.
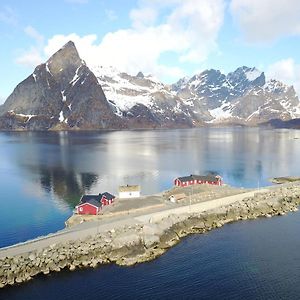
(135, 194)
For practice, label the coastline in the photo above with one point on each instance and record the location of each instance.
(140, 238)
(284, 179)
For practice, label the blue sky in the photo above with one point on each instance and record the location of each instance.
(168, 38)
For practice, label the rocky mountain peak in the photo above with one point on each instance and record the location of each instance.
(62, 93)
(140, 75)
(180, 84)
(247, 76)
(212, 77)
(65, 58)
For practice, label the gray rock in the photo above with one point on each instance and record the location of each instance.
(32, 257)
(150, 240)
(125, 239)
(60, 94)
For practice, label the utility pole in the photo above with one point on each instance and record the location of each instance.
(191, 194)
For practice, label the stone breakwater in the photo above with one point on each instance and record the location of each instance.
(138, 243)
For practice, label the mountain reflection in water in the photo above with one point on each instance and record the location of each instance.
(43, 174)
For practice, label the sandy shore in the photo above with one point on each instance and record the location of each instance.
(142, 233)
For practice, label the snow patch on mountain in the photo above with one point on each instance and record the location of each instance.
(64, 98)
(252, 74)
(210, 96)
(126, 102)
(295, 112)
(29, 116)
(76, 77)
(125, 91)
(61, 116)
(275, 86)
(222, 112)
(48, 70)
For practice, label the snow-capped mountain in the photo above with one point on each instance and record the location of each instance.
(242, 96)
(124, 91)
(142, 98)
(60, 94)
(64, 93)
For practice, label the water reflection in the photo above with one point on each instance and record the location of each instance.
(44, 174)
(66, 185)
(68, 164)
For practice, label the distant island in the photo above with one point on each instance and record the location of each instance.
(66, 94)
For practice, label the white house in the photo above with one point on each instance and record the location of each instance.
(129, 191)
(177, 197)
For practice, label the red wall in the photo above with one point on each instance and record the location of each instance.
(87, 209)
(187, 183)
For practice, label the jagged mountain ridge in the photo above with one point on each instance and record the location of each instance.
(130, 96)
(243, 96)
(64, 93)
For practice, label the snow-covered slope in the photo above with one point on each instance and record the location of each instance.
(64, 93)
(242, 96)
(142, 96)
(125, 91)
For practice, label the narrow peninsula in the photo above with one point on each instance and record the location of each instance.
(136, 230)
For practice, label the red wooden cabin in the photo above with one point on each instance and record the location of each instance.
(90, 207)
(92, 204)
(107, 198)
(197, 179)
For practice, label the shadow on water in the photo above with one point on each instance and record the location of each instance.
(67, 186)
(49, 157)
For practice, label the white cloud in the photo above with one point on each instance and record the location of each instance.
(33, 33)
(143, 17)
(203, 21)
(30, 58)
(127, 50)
(267, 20)
(33, 56)
(189, 29)
(8, 16)
(287, 71)
(111, 14)
(85, 45)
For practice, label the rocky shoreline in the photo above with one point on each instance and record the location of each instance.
(285, 179)
(138, 243)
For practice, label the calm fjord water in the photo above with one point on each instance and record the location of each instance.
(43, 175)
